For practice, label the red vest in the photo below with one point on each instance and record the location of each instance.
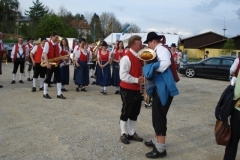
(51, 52)
(103, 57)
(83, 57)
(63, 53)
(30, 47)
(119, 55)
(16, 51)
(38, 54)
(135, 71)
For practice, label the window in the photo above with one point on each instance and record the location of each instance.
(214, 61)
(227, 62)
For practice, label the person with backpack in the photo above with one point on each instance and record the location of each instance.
(232, 147)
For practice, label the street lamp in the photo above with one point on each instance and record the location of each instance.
(20, 29)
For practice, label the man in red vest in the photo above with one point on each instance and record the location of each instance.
(36, 58)
(51, 50)
(1, 49)
(29, 47)
(18, 56)
(131, 80)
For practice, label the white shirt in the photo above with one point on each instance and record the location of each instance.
(78, 51)
(164, 56)
(20, 51)
(234, 66)
(28, 49)
(125, 66)
(34, 50)
(46, 47)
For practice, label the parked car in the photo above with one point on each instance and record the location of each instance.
(215, 67)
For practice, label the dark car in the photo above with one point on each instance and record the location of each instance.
(215, 67)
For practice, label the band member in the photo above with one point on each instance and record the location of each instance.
(52, 50)
(103, 68)
(36, 56)
(93, 61)
(18, 56)
(65, 63)
(162, 77)
(131, 79)
(29, 47)
(1, 49)
(116, 56)
(81, 58)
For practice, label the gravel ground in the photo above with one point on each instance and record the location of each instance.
(85, 126)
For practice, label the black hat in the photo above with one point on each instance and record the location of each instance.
(82, 40)
(151, 36)
(42, 39)
(173, 45)
(104, 43)
(30, 38)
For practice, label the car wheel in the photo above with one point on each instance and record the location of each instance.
(190, 72)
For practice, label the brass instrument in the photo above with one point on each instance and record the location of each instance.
(3, 56)
(98, 44)
(53, 62)
(145, 55)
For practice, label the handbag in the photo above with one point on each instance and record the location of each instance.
(222, 132)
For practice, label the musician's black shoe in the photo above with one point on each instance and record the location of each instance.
(93, 83)
(33, 89)
(1, 86)
(84, 90)
(46, 96)
(156, 154)
(49, 85)
(77, 89)
(135, 137)
(29, 79)
(117, 92)
(124, 139)
(64, 90)
(104, 92)
(149, 144)
(41, 89)
(13, 81)
(21, 81)
(92, 76)
(61, 96)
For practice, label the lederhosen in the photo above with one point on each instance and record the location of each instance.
(53, 52)
(29, 59)
(38, 69)
(93, 65)
(19, 61)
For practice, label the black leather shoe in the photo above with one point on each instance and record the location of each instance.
(13, 82)
(61, 96)
(117, 92)
(21, 81)
(93, 83)
(92, 76)
(41, 89)
(77, 89)
(49, 85)
(124, 139)
(33, 89)
(64, 90)
(155, 154)
(29, 79)
(149, 144)
(46, 96)
(104, 92)
(84, 90)
(135, 137)
(1, 86)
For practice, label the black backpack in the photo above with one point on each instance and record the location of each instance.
(225, 104)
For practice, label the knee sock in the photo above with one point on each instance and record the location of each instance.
(45, 88)
(34, 82)
(29, 72)
(14, 77)
(154, 140)
(160, 147)
(62, 86)
(59, 89)
(104, 88)
(132, 125)
(41, 80)
(117, 88)
(20, 77)
(123, 127)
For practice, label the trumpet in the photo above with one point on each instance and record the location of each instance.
(52, 61)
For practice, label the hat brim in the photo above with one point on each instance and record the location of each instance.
(155, 37)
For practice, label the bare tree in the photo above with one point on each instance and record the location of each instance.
(88, 16)
(63, 12)
(133, 29)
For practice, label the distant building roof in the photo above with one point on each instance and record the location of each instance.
(82, 24)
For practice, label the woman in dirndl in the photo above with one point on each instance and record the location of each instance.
(103, 68)
(81, 58)
(117, 55)
(64, 64)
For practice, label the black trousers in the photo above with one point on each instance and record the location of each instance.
(57, 74)
(159, 114)
(232, 147)
(131, 104)
(92, 66)
(38, 70)
(30, 64)
(17, 62)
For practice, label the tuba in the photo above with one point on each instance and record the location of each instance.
(98, 44)
(146, 55)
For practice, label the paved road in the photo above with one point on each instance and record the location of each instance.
(86, 125)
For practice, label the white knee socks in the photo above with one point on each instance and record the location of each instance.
(123, 127)
(59, 89)
(132, 125)
(45, 88)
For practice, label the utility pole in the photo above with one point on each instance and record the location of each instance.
(224, 29)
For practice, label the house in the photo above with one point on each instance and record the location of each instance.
(81, 26)
(197, 45)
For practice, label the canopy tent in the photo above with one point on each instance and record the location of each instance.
(111, 39)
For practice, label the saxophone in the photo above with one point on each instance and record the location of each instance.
(52, 61)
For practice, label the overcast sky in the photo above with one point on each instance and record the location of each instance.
(184, 17)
